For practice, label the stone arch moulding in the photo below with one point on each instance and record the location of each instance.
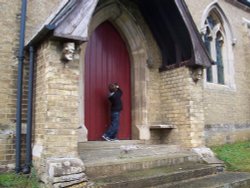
(215, 6)
(118, 15)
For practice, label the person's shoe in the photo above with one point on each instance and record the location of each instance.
(115, 140)
(106, 138)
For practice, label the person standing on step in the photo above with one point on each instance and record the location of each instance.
(116, 107)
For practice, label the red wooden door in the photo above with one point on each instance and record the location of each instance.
(106, 61)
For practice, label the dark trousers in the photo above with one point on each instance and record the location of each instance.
(114, 125)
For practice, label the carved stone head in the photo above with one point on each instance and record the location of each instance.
(197, 74)
(68, 51)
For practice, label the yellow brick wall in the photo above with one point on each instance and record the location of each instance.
(7, 152)
(39, 111)
(181, 106)
(9, 40)
(56, 114)
(38, 11)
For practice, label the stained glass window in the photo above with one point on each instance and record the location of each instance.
(213, 39)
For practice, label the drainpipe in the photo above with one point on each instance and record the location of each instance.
(45, 31)
(19, 86)
(28, 157)
(27, 166)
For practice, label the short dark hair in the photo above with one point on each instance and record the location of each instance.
(112, 87)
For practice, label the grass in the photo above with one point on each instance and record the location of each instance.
(12, 180)
(236, 156)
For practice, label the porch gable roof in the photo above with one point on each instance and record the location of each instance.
(69, 21)
(72, 19)
(176, 33)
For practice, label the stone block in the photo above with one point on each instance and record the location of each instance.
(58, 167)
(71, 184)
(63, 172)
(71, 177)
(207, 155)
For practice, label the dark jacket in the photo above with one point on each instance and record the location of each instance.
(116, 102)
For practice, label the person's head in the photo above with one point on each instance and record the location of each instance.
(113, 87)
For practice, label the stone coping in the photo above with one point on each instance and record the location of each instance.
(162, 126)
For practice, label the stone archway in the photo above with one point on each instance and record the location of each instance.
(134, 38)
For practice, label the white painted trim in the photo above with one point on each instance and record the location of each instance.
(215, 5)
(206, 12)
(246, 22)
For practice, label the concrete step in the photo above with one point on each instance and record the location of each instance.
(155, 176)
(221, 180)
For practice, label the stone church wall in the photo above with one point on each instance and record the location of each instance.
(227, 110)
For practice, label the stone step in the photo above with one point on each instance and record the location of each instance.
(102, 157)
(105, 144)
(127, 151)
(103, 166)
(221, 180)
(139, 165)
(113, 151)
(155, 176)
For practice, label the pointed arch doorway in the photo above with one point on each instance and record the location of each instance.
(106, 61)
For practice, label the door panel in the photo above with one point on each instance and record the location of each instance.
(106, 61)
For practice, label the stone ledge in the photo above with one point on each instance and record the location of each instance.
(162, 126)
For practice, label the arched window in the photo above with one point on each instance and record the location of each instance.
(218, 39)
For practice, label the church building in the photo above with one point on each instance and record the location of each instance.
(183, 67)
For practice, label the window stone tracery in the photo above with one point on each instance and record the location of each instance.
(217, 37)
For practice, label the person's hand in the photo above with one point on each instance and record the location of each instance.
(116, 85)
